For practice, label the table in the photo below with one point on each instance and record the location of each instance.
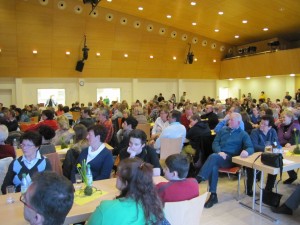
(14, 212)
(61, 152)
(258, 165)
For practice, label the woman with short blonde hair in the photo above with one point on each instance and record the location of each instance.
(64, 133)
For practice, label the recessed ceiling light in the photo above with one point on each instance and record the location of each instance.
(68, 53)
(109, 0)
(195, 59)
(125, 55)
(292, 74)
(140, 8)
(247, 78)
(216, 30)
(220, 13)
(268, 76)
(169, 16)
(98, 54)
(34, 52)
(230, 79)
(193, 3)
(245, 21)
(214, 60)
(194, 23)
(265, 29)
(151, 56)
(174, 58)
(236, 36)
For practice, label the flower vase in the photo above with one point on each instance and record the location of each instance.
(88, 190)
(297, 150)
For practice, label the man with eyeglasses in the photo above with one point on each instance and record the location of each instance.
(260, 137)
(29, 163)
(48, 199)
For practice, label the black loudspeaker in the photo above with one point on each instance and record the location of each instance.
(79, 66)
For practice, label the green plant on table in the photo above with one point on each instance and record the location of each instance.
(88, 190)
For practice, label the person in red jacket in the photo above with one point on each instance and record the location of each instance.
(47, 119)
(179, 188)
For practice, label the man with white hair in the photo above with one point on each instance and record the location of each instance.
(230, 141)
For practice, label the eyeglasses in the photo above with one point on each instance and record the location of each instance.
(22, 199)
(26, 146)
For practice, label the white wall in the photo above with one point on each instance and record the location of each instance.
(24, 91)
(274, 88)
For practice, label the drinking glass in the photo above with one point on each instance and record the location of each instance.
(268, 146)
(9, 192)
(78, 180)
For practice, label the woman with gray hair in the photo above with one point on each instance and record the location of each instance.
(5, 150)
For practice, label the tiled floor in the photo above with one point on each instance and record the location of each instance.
(229, 212)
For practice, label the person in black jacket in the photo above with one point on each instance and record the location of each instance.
(138, 148)
(196, 134)
(210, 116)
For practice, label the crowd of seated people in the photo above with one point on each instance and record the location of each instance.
(252, 122)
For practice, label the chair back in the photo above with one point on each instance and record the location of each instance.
(55, 162)
(76, 115)
(34, 119)
(169, 146)
(4, 163)
(146, 128)
(185, 212)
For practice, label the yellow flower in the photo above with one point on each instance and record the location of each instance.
(78, 165)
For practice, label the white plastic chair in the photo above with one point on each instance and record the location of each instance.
(185, 212)
(4, 164)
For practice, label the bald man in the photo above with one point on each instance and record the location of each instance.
(210, 116)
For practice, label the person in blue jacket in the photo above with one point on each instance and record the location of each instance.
(97, 155)
(230, 141)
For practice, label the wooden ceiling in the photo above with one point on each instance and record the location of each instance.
(282, 17)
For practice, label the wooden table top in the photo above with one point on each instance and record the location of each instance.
(14, 212)
(248, 162)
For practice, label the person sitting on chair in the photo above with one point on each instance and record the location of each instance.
(138, 202)
(48, 199)
(259, 137)
(179, 188)
(138, 148)
(229, 142)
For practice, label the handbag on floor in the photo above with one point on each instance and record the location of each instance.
(271, 198)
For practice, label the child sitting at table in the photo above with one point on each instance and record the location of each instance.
(179, 188)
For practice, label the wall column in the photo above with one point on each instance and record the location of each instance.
(134, 91)
(18, 94)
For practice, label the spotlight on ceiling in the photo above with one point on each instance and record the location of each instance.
(94, 4)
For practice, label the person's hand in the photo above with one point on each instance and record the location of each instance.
(244, 154)
(223, 155)
(131, 152)
(287, 145)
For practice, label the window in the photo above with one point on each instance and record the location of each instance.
(58, 95)
(112, 94)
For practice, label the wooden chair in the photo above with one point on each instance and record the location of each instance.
(169, 146)
(185, 212)
(55, 162)
(34, 119)
(146, 128)
(233, 170)
(76, 115)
